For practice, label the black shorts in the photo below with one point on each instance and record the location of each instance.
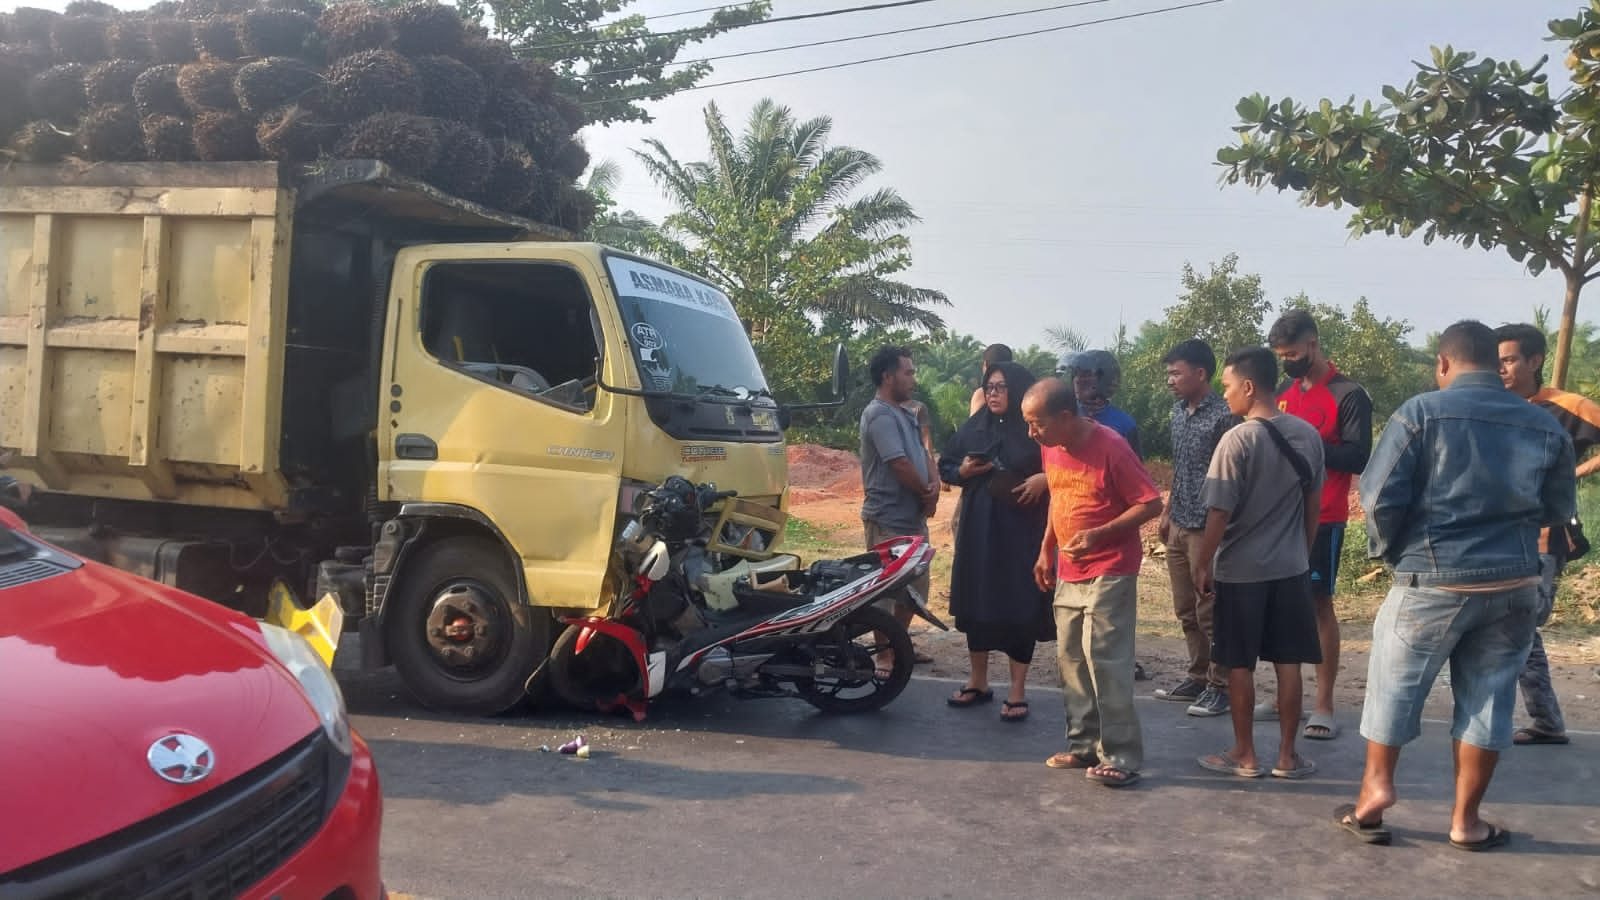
(1271, 620)
(1325, 558)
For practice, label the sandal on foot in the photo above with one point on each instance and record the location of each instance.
(1072, 761)
(970, 697)
(1525, 736)
(1324, 721)
(1227, 765)
(1498, 837)
(1007, 706)
(1112, 776)
(1302, 768)
(1366, 832)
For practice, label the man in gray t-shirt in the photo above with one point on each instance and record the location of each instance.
(1256, 483)
(897, 473)
(1262, 495)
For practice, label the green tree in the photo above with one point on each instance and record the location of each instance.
(1583, 373)
(771, 218)
(623, 229)
(613, 67)
(1144, 394)
(1221, 307)
(1065, 339)
(1473, 151)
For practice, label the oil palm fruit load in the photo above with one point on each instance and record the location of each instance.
(414, 85)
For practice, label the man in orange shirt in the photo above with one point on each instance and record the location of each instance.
(1099, 496)
(1522, 352)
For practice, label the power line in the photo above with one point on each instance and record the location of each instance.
(927, 50)
(690, 12)
(702, 29)
(857, 37)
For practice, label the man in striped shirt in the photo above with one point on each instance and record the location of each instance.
(1522, 353)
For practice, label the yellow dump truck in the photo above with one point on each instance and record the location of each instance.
(232, 377)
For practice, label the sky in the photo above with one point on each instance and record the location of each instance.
(1064, 179)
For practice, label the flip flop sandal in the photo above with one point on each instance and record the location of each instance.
(1524, 737)
(1227, 765)
(1320, 720)
(1367, 833)
(970, 697)
(1303, 768)
(1498, 837)
(1072, 761)
(1006, 706)
(1112, 776)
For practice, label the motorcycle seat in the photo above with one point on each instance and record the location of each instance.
(795, 592)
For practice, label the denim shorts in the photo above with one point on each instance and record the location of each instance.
(1485, 638)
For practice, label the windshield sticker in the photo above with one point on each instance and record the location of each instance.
(639, 280)
(645, 336)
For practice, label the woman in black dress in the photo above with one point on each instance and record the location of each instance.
(1003, 515)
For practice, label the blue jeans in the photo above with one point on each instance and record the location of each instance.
(1485, 638)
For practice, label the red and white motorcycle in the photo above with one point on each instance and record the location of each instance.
(815, 633)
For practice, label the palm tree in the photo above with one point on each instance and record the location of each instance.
(770, 217)
(626, 230)
(1065, 339)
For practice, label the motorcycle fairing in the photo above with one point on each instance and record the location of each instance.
(902, 558)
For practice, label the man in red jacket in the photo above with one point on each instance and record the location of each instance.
(1341, 411)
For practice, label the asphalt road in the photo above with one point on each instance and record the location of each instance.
(716, 797)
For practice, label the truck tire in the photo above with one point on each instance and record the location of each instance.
(459, 634)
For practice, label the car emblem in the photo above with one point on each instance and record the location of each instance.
(181, 758)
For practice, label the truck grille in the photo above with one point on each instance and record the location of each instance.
(215, 846)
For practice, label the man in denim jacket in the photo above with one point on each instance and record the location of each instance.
(1458, 488)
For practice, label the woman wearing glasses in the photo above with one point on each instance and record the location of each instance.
(1003, 514)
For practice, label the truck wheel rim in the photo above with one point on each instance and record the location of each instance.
(466, 629)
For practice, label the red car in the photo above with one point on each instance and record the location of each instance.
(155, 744)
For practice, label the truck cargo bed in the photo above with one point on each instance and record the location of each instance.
(162, 338)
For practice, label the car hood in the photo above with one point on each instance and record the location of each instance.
(95, 666)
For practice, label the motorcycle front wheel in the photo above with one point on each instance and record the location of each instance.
(848, 653)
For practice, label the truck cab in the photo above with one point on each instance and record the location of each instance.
(532, 391)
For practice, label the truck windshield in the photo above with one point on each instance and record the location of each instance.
(684, 334)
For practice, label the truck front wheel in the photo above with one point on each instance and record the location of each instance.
(458, 631)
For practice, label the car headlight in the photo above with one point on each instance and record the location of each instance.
(302, 661)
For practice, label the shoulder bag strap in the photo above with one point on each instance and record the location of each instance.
(1301, 469)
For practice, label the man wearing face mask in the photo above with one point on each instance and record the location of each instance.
(1341, 411)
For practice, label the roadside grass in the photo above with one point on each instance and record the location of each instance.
(1577, 609)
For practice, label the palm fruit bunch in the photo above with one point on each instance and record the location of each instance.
(296, 81)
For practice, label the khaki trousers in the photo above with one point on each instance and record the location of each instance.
(1095, 625)
(1194, 611)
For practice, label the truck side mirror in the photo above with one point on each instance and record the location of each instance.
(841, 371)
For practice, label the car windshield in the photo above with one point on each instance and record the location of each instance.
(12, 544)
(683, 333)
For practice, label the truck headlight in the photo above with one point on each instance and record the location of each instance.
(302, 661)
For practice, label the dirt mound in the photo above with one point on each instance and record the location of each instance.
(816, 468)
